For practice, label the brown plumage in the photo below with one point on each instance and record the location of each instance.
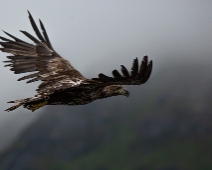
(61, 83)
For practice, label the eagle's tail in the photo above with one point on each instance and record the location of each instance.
(14, 107)
(19, 103)
(32, 103)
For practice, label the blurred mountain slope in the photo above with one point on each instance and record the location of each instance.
(164, 124)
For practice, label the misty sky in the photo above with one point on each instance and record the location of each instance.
(97, 36)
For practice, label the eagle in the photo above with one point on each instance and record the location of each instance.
(61, 83)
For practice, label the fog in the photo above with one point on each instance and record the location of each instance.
(98, 36)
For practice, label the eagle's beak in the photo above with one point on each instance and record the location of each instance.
(124, 92)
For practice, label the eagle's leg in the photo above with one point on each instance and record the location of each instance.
(35, 106)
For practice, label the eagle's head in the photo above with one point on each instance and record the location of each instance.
(115, 90)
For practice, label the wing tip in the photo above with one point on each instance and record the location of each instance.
(30, 16)
(150, 63)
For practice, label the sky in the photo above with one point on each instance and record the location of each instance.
(98, 36)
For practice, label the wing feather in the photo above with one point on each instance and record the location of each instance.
(21, 58)
(32, 80)
(31, 37)
(16, 45)
(45, 35)
(116, 74)
(137, 76)
(28, 77)
(15, 38)
(124, 71)
(134, 69)
(35, 28)
(55, 72)
(5, 39)
(24, 70)
(143, 67)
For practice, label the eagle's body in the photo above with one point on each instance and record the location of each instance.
(76, 96)
(61, 83)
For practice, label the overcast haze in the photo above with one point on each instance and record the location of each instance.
(98, 36)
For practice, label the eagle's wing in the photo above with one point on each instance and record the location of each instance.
(137, 76)
(55, 72)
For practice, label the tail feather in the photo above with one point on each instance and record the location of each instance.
(32, 103)
(13, 107)
(19, 103)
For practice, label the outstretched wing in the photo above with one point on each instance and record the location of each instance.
(137, 76)
(55, 72)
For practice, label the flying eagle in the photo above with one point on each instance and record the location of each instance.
(61, 83)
